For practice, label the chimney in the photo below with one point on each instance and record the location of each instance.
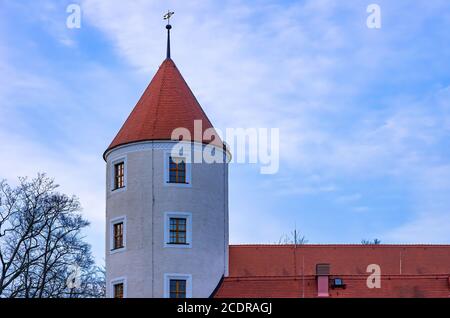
(322, 273)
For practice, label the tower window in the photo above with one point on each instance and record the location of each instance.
(118, 290)
(177, 288)
(119, 175)
(177, 231)
(118, 235)
(177, 285)
(177, 170)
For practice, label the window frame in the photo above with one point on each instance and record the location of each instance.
(115, 226)
(115, 162)
(179, 233)
(180, 168)
(175, 276)
(116, 288)
(188, 167)
(119, 175)
(113, 222)
(116, 281)
(178, 215)
(178, 290)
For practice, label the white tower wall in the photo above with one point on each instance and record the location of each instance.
(145, 260)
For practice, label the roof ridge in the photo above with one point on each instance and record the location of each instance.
(342, 245)
(164, 65)
(299, 276)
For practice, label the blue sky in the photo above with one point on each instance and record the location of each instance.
(364, 114)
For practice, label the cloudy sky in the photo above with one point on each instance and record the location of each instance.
(364, 114)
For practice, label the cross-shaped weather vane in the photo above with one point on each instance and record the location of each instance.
(168, 15)
(168, 27)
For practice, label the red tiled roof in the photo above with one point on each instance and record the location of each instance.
(288, 271)
(166, 104)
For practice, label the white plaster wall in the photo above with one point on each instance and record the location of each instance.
(144, 202)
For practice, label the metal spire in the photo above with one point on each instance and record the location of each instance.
(168, 27)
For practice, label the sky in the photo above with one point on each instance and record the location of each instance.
(364, 114)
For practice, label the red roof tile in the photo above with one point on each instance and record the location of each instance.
(166, 104)
(288, 271)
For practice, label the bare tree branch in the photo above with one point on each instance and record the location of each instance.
(41, 242)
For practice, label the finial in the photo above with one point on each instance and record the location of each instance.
(168, 27)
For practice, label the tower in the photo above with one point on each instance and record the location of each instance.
(166, 217)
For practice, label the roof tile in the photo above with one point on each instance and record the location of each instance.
(289, 271)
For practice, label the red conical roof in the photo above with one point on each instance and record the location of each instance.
(166, 104)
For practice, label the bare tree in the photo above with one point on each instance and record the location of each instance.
(41, 243)
(293, 238)
(369, 242)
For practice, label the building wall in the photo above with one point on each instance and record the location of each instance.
(144, 201)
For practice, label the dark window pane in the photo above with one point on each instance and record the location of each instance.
(119, 169)
(177, 288)
(118, 235)
(177, 170)
(118, 290)
(177, 231)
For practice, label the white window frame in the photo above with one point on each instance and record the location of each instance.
(125, 172)
(186, 277)
(116, 281)
(188, 184)
(120, 219)
(188, 217)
